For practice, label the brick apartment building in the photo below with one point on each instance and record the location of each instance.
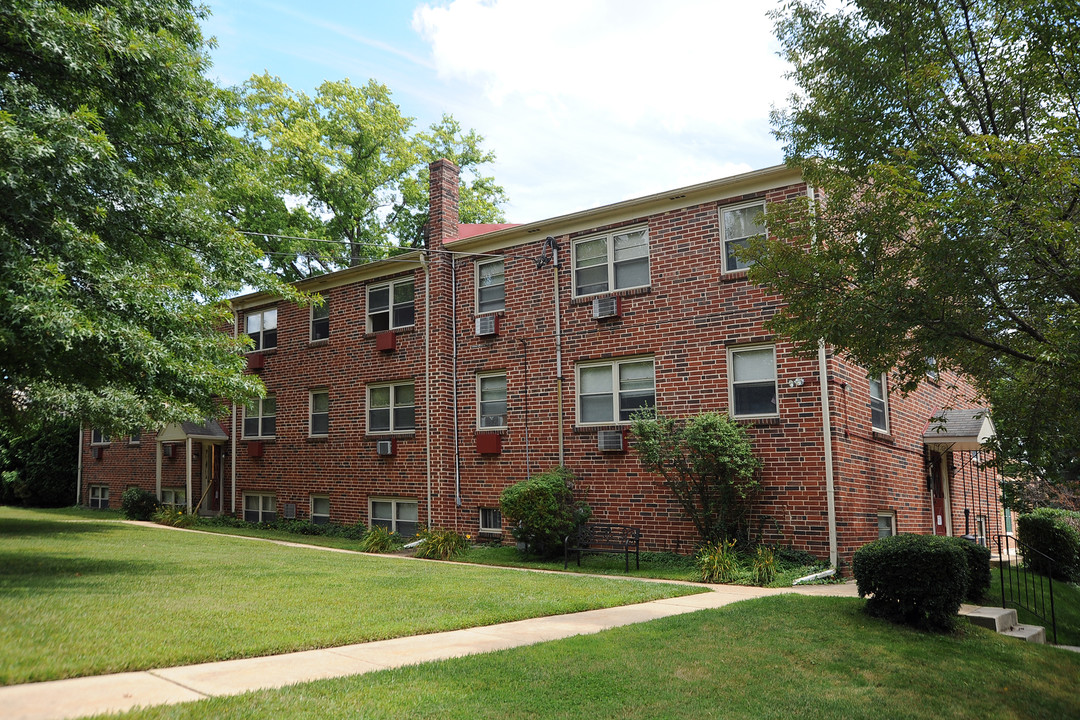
(430, 381)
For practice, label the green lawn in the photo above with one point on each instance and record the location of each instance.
(778, 657)
(1066, 607)
(82, 594)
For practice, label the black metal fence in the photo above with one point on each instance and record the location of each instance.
(1026, 590)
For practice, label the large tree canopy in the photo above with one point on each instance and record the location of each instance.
(945, 136)
(336, 179)
(113, 262)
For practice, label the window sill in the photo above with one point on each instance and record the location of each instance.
(593, 429)
(758, 421)
(391, 435)
(406, 330)
(267, 439)
(734, 276)
(503, 430)
(883, 437)
(316, 438)
(628, 292)
(319, 343)
(263, 351)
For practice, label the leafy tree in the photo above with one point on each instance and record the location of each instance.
(542, 511)
(945, 137)
(708, 464)
(336, 179)
(39, 463)
(113, 264)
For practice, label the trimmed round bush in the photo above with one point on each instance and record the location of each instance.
(917, 580)
(542, 511)
(138, 504)
(1054, 533)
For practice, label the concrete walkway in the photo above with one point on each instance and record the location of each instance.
(78, 697)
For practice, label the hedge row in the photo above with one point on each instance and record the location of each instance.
(1055, 533)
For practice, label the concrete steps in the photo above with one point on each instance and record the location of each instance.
(1003, 620)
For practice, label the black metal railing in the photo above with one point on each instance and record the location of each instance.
(1029, 590)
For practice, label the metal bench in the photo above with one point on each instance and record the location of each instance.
(603, 538)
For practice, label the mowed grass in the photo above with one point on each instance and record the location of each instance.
(80, 596)
(1066, 603)
(784, 657)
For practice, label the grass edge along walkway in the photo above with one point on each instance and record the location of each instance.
(78, 697)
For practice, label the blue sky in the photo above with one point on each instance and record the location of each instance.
(585, 102)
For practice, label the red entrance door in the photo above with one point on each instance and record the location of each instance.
(937, 494)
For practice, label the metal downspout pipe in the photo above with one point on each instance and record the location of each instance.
(826, 429)
(427, 376)
(453, 378)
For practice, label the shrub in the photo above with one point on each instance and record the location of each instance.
(378, 540)
(174, 517)
(718, 562)
(917, 580)
(542, 511)
(138, 504)
(764, 565)
(441, 544)
(978, 568)
(1053, 533)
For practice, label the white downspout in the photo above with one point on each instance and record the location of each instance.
(187, 446)
(427, 376)
(558, 353)
(826, 428)
(233, 434)
(453, 378)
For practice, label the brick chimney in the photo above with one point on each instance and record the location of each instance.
(443, 215)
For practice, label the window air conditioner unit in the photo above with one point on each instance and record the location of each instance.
(386, 447)
(487, 325)
(96, 453)
(256, 361)
(255, 449)
(386, 341)
(168, 450)
(606, 307)
(288, 511)
(611, 441)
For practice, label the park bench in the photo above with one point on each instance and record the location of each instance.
(603, 538)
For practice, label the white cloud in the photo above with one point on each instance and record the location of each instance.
(609, 99)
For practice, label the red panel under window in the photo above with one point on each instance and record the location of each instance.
(256, 361)
(488, 443)
(386, 341)
(255, 449)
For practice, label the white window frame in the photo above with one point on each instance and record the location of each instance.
(259, 337)
(889, 515)
(882, 382)
(391, 305)
(262, 511)
(480, 378)
(392, 407)
(733, 384)
(323, 315)
(311, 510)
(502, 301)
(312, 413)
(97, 437)
(725, 241)
(395, 519)
(135, 438)
(262, 418)
(616, 392)
(609, 241)
(490, 528)
(174, 497)
(102, 495)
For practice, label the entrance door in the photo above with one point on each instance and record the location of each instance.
(211, 479)
(937, 494)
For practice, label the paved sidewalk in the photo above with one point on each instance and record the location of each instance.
(78, 697)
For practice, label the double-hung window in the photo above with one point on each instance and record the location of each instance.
(259, 507)
(611, 392)
(490, 286)
(320, 509)
(491, 400)
(173, 497)
(738, 225)
(97, 437)
(261, 327)
(320, 413)
(879, 403)
(320, 320)
(390, 306)
(99, 497)
(886, 523)
(490, 520)
(616, 261)
(396, 515)
(753, 382)
(260, 418)
(391, 408)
